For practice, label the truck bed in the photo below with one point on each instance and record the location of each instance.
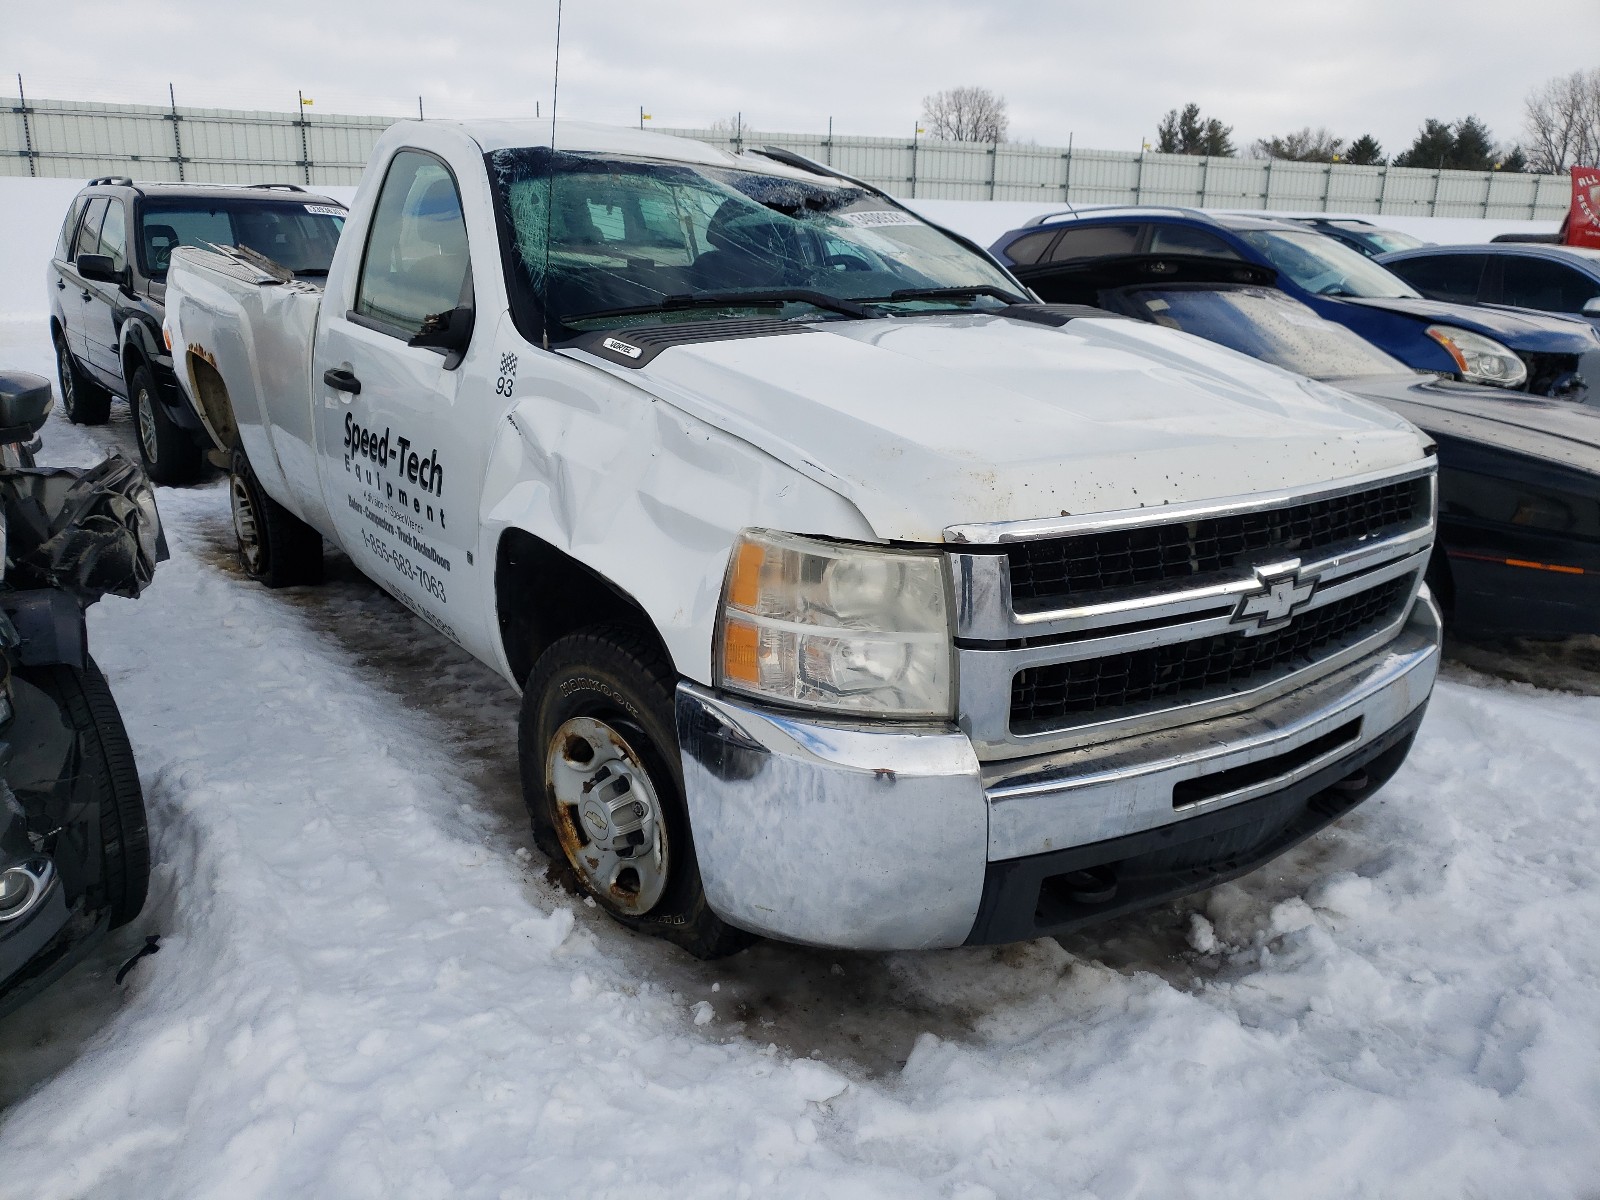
(234, 315)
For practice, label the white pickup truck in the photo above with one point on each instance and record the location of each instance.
(856, 598)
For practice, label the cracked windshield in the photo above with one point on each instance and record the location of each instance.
(635, 242)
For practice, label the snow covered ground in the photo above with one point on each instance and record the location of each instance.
(367, 988)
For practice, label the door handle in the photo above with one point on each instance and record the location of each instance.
(61, 285)
(86, 294)
(341, 380)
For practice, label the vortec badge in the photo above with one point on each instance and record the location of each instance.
(1281, 594)
(622, 347)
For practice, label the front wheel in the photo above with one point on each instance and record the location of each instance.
(604, 786)
(104, 772)
(276, 548)
(170, 455)
(84, 401)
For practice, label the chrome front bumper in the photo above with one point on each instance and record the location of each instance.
(885, 836)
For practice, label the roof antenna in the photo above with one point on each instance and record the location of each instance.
(550, 186)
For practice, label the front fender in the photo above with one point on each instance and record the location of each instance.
(645, 495)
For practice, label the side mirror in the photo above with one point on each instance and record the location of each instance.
(98, 267)
(1591, 307)
(448, 332)
(25, 402)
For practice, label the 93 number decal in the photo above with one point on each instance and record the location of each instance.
(508, 375)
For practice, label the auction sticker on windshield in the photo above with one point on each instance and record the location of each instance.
(875, 217)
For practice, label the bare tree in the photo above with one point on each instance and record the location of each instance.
(965, 114)
(1304, 145)
(1564, 123)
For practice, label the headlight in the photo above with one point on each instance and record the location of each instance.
(853, 629)
(1480, 359)
(22, 886)
(149, 529)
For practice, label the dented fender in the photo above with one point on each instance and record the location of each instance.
(643, 493)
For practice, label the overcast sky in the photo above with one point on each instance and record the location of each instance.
(1104, 72)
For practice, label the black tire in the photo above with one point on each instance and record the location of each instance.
(276, 548)
(170, 455)
(83, 400)
(620, 679)
(107, 772)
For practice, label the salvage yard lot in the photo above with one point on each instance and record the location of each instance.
(367, 987)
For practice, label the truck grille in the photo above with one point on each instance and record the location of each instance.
(1045, 696)
(1051, 572)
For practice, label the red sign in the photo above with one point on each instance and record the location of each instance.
(1583, 219)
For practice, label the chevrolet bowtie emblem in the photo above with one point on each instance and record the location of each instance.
(1279, 594)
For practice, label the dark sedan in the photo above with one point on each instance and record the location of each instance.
(1553, 279)
(1519, 478)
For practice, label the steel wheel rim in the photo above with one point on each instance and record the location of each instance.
(607, 815)
(245, 529)
(145, 410)
(69, 394)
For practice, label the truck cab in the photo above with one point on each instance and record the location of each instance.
(856, 598)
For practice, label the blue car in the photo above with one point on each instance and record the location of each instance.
(1553, 279)
(1526, 351)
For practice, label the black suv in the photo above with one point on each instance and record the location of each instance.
(107, 282)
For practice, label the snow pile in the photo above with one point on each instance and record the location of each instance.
(366, 988)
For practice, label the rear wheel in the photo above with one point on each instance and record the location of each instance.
(84, 401)
(169, 454)
(105, 772)
(276, 547)
(604, 786)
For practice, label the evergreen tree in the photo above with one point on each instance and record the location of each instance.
(1365, 152)
(1474, 149)
(1434, 143)
(1187, 132)
(1465, 145)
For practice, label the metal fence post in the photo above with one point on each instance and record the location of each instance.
(994, 166)
(27, 128)
(1205, 175)
(1266, 193)
(1066, 184)
(1433, 205)
(1383, 187)
(1138, 180)
(177, 138)
(305, 137)
(1327, 187)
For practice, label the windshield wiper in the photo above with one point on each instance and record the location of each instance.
(728, 300)
(952, 293)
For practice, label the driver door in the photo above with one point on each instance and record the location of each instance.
(401, 472)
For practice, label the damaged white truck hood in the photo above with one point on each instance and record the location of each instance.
(933, 421)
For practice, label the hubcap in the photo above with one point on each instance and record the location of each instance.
(607, 815)
(244, 525)
(145, 407)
